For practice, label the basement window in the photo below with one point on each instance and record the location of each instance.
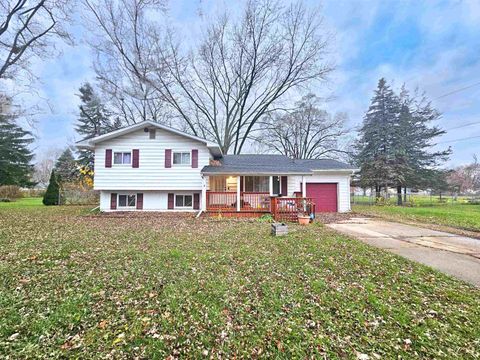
(183, 201)
(127, 201)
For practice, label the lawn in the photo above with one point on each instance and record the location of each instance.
(22, 203)
(76, 284)
(460, 216)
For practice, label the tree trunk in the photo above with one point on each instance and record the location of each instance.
(377, 191)
(399, 195)
(404, 194)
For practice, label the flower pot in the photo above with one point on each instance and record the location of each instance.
(303, 220)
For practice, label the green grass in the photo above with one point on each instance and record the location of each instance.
(22, 203)
(459, 216)
(152, 286)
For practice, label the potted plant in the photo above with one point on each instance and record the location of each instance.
(303, 218)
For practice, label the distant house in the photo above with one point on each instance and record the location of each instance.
(148, 166)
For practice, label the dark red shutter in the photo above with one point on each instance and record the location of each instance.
(170, 200)
(168, 158)
(194, 158)
(284, 186)
(113, 201)
(108, 158)
(242, 178)
(135, 158)
(196, 201)
(140, 201)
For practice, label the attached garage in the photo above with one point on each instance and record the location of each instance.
(325, 196)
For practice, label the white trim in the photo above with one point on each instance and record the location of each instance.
(203, 206)
(270, 185)
(175, 207)
(181, 164)
(89, 143)
(123, 155)
(238, 192)
(134, 207)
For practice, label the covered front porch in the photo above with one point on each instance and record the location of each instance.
(254, 196)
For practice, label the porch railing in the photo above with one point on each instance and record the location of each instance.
(221, 201)
(227, 201)
(282, 208)
(255, 201)
(287, 209)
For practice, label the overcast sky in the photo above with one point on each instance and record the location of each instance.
(429, 44)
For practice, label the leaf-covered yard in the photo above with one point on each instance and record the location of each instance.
(151, 286)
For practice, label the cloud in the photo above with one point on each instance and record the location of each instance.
(432, 45)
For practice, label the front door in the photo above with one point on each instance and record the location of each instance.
(276, 185)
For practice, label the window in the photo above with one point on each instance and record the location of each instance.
(183, 201)
(276, 185)
(181, 158)
(218, 183)
(256, 183)
(127, 200)
(122, 158)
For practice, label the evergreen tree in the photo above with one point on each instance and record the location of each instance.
(15, 156)
(374, 148)
(396, 138)
(93, 120)
(52, 195)
(66, 167)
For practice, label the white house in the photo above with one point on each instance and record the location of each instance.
(148, 166)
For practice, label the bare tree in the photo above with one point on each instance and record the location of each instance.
(241, 70)
(244, 67)
(121, 40)
(44, 165)
(27, 29)
(308, 132)
(466, 178)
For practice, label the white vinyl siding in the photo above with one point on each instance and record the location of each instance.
(152, 200)
(151, 174)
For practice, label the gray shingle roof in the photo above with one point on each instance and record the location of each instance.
(271, 164)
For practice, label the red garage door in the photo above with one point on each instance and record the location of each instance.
(324, 195)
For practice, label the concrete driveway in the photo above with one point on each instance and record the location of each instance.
(452, 254)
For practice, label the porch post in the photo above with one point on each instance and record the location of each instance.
(204, 194)
(304, 187)
(270, 185)
(238, 194)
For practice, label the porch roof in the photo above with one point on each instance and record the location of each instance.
(265, 164)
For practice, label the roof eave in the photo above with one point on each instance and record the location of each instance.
(257, 173)
(335, 170)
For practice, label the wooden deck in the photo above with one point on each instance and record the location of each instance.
(256, 204)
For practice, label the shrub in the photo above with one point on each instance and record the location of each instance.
(10, 192)
(268, 218)
(52, 194)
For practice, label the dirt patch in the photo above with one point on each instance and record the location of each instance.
(329, 218)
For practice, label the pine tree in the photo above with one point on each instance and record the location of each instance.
(396, 138)
(52, 195)
(15, 156)
(66, 167)
(374, 148)
(93, 120)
